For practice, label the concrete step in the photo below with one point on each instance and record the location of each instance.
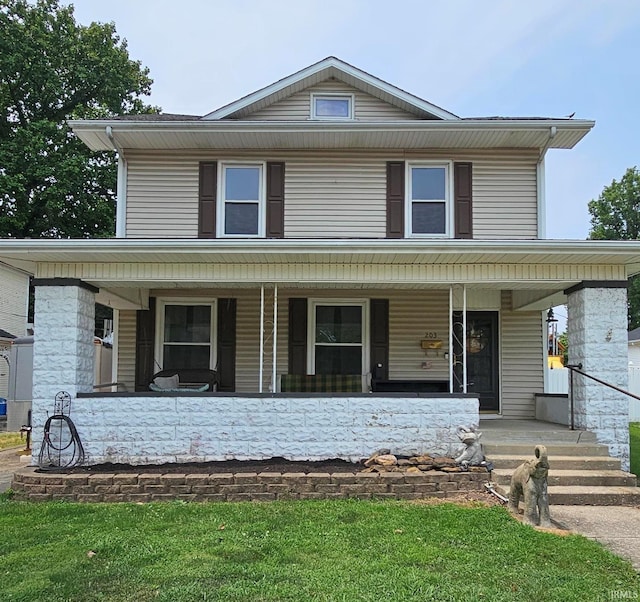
(575, 495)
(531, 432)
(525, 450)
(580, 478)
(560, 462)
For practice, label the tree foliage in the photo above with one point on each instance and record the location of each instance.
(53, 69)
(615, 215)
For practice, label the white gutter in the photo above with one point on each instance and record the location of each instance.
(540, 186)
(121, 190)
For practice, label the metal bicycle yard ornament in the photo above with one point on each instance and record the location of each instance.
(61, 446)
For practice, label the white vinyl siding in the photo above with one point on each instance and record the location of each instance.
(522, 361)
(504, 197)
(162, 197)
(346, 198)
(13, 315)
(330, 194)
(298, 106)
(126, 349)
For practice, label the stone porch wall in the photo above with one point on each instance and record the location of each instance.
(160, 428)
(227, 487)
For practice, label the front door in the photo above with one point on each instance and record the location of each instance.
(481, 356)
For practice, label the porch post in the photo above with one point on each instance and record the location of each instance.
(261, 363)
(275, 338)
(63, 349)
(464, 338)
(597, 336)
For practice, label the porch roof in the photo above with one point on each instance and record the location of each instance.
(27, 253)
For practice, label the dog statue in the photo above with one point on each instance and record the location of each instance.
(472, 454)
(530, 482)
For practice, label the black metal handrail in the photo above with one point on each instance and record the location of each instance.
(578, 368)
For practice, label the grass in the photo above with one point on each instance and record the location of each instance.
(338, 550)
(634, 445)
(8, 440)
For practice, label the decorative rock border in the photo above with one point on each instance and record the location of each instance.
(229, 487)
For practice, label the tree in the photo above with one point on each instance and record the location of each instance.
(53, 69)
(615, 215)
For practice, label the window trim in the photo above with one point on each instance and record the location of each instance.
(311, 329)
(332, 95)
(161, 303)
(448, 200)
(222, 201)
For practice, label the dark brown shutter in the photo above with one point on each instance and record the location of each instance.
(379, 350)
(463, 205)
(227, 344)
(395, 199)
(275, 200)
(208, 185)
(297, 336)
(145, 342)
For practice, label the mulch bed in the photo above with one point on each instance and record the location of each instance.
(229, 466)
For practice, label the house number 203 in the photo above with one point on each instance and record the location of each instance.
(431, 335)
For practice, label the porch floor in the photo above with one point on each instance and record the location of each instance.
(531, 431)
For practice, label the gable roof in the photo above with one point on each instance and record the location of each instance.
(4, 334)
(634, 335)
(331, 67)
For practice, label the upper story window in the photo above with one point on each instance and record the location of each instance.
(428, 199)
(331, 106)
(241, 200)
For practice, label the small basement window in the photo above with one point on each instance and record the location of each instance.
(331, 106)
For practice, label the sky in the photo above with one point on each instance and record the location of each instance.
(474, 58)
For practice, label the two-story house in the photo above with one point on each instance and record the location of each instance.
(359, 267)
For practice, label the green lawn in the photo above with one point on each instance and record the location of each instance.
(634, 445)
(342, 550)
(11, 440)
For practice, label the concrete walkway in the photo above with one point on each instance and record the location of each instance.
(615, 527)
(9, 463)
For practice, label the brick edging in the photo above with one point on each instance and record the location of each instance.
(235, 487)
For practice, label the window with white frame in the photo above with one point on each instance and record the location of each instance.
(241, 199)
(332, 106)
(428, 199)
(186, 334)
(338, 336)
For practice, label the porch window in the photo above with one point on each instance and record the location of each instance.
(186, 335)
(428, 204)
(242, 199)
(338, 337)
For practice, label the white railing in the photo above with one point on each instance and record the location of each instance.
(558, 382)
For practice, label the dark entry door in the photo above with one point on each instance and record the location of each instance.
(482, 357)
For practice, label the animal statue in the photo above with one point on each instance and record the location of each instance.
(529, 481)
(472, 454)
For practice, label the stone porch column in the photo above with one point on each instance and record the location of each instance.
(63, 349)
(597, 336)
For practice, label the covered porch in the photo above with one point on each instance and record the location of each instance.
(425, 311)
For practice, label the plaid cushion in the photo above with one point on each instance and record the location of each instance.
(321, 383)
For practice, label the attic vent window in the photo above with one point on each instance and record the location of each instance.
(331, 106)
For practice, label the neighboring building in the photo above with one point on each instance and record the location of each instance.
(14, 305)
(329, 224)
(633, 338)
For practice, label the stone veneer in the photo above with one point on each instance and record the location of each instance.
(265, 486)
(63, 347)
(158, 428)
(597, 334)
